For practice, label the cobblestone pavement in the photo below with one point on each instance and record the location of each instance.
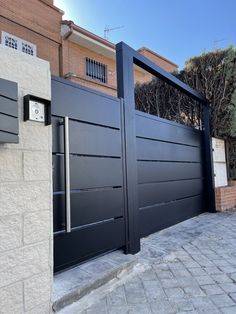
(196, 272)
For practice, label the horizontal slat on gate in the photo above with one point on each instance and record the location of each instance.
(89, 242)
(8, 124)
(88, 207)
(162, 216)
(154, 193)
(9, 106)
(149, 171)
(155, 150)
(8, 89)
(84, 104)
(8, 137)
(148, 126)
(88, 139)
(88, 172)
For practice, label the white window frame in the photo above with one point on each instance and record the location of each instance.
(20, 43)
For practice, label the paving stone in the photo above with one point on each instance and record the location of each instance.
(165, 274)
(190, 264)
(212, 270)
(181, 273)
(212, 289)
(222, 300)
(163, 307)
(134, 293)
(197, 271)
(100, 308)
(228, 287)
(221, 262)
(229, 269)
(194, 291)
(221, 278)
(117, 297)
(229, 310)
(114, 309)
(189, 312)
(182, 305)
(169, 283)
(174, 293)
(139, 308)
(233, 296)
(203, 304)
(160, 266)
(204, 280)
(149, 274)
(187, 281)
(153, 291)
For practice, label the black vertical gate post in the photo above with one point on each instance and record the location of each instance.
(125, 85)
(208, 160)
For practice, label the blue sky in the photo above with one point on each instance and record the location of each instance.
(176, 29)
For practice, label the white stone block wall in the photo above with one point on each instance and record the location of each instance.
(26, 266)
(219, 159)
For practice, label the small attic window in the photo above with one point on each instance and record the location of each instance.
(26, 48)
(11, 42)
(17, 43)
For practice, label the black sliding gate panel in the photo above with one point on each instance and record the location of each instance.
(96, 175)
(120, 174)
(170, 172)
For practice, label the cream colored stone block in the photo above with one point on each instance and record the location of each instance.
(11, 299)
(218, 146)
(10, 165)
(45, 308)
(36, 290)
(24, 196)
(36, 166)
(34, 136)
(10, 232)
(32, 74)
(36, 226)
(19, 264)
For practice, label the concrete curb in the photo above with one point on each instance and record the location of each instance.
(82, 290)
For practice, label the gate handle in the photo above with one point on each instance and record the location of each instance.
(67, 173)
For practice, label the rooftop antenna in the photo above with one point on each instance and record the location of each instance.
(107, 30)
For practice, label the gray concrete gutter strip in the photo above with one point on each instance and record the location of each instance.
(74, 284)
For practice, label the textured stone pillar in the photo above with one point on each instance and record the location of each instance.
(26, 196)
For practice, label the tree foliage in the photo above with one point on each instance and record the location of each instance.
(214, 75)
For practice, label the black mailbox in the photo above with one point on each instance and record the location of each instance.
(9, 125)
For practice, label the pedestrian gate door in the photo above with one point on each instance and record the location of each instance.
(120, 174)
(92, 210)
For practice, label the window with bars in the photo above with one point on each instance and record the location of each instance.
(96, 70)
(17, 43)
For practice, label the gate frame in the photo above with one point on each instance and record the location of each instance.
(126, 57)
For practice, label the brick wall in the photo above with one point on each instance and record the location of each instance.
(74, 60)
(226, 196)
(35, 21)
(26, 265)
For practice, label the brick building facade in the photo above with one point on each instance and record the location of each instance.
(36, 27)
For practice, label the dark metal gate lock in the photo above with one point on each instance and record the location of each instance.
(37, 109)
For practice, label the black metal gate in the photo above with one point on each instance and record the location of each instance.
(89, 217)
(120, 174)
